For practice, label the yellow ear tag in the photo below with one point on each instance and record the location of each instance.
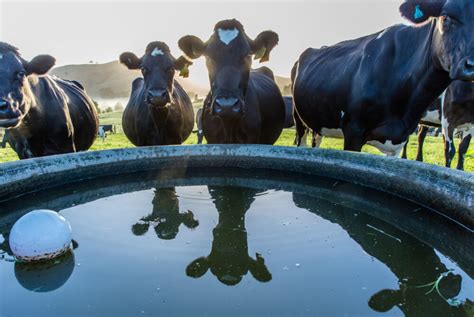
(260, 53)
(184, 71)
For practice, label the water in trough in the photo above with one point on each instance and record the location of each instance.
(238, 243)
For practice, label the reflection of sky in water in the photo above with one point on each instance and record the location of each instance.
(315, 265)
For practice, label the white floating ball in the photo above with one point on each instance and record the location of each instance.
(40, 235)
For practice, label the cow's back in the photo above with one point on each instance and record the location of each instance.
(62, 119)
(82, 112)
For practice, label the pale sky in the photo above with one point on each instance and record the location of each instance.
(77, 32)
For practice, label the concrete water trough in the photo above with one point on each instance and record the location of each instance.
(430, 204)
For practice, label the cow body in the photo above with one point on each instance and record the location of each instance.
(200, 133)
(159, 111)
(262, 123)
(289, 120)
(375, 89)
(144, 125)
(458, 115)
(61, 120)
(453, 111)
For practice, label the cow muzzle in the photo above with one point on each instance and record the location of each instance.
(157, 97)
(227, 107)
(10, 117)
(465, 70)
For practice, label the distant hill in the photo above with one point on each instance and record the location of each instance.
(111, 80)
(284, 83)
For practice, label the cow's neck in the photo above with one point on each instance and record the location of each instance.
(159, 116)
(233, 132)
(21, 135)
(428, 79)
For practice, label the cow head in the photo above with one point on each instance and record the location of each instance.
(15, 93)
(453, 40)
(158, 67)
(229, 58)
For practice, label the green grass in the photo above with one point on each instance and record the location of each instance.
(433, 147)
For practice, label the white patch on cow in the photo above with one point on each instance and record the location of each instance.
(332, 133)
(303, 139)
(157, 52)
(381, 34)
(342, 114)
(1, 56)
(227, 36)
(445, 125)
(432, 117)
(2, 239)
(388, 148)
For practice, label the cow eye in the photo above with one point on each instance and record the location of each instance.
(448, 20)
(21, 75)
(144, 71)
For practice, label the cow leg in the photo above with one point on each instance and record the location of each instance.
(353, 137)
(200, 136)
(463, 149)
(301, 131)
(449, 149)
(317, 139)
(404, 151)
(422, 131)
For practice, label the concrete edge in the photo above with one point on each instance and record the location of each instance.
(447, 191)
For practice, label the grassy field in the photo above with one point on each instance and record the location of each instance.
(433, 147)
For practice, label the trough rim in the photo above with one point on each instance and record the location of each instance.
(447, 191)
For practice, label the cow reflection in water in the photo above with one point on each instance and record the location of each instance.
(415, 264)
(229, 260)
(165, 217)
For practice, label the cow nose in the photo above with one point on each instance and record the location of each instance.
(4, 105)
(468, 69)
(469, 65)
(157, 96)
(227, 106)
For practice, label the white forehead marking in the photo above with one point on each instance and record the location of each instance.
(227, 36)
(157, 52)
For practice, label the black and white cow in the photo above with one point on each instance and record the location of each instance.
(431, 119)
(200, 133)
(375, 89)
(244, 105)
(289, 120)
(4, 142)
(159, 111)
(453, 111)
(43, 115)
(458, 114)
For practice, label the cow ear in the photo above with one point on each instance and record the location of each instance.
(198, 267)
(263, 45)
(40, 65)
(130, 60)
(182, 65)
(419, 11)
(192, 46)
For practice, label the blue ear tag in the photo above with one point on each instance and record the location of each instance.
(418, 13)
